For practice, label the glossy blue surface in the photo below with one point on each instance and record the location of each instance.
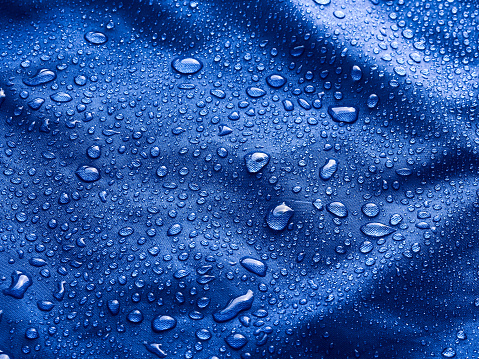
(249, 179)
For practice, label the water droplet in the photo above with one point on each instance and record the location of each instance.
(94, 152)
(343, 114)
(404, 172)
(255, 92)
(19, 285)
(356, 73)
(224, 130)
(376, 230)
(255, 161)
(45, 305)
(236, 341)
(395, 219)
(318, 204)
(279, 216)
(276, 81)
(113, 306)
(161, 171)
(328, 170)
(322, 2)
(373, 100)
(339, 14)
(43, 76)
(135, 316)
(155, 349)
(234, 307)
(448, 353)
(31, 333)
(254, 266)
(95, 37)
(61, 97)
(366, 247)
(174, 230)
(338, 209)
(187, 66)
(162, 323)
(126, 231)
(203, 334)
(370, 210)
(88, 173)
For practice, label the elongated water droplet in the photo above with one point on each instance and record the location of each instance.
(234, 307)
(254, 266)
(96, 38)
(187, 66)
(88, 173)
(43, 76)
(275, 81)
(338, 209)
(376, 230)
(163, 322)
(19, 285)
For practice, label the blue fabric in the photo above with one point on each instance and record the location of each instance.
(256, 179)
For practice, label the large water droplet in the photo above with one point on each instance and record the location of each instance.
(373, 100)
(343, 114)
(448, 353)
(236, 341)
(279, 216)
(356, 73)
(254, 266)
(94, 152)
(113, 306)
(276, 81)
(162, 323)
(255, 161)
(61, 97)
(203, 334)
(187, 66)
(20, 283)
(255, 92)
(328, 170)
(43, 76)
(376, 230)
(155, 348)
(174, 230)
(234, 307)
(370, 210)
(88, 173)
(135, 316)
(338, 209)
(95, 37)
